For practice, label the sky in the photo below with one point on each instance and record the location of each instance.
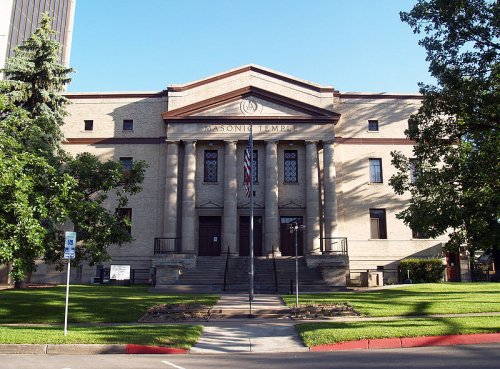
(147, 45)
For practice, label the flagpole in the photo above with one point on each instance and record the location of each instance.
(250, 297)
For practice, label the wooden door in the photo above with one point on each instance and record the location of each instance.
(245, 236)
(452, 267)
(209, 236)
(287, 239)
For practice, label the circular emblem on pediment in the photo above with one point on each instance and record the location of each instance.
(250, 106)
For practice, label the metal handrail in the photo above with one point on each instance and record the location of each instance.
(275, 273)
(336, 245)
(167, 245)
(226, 270)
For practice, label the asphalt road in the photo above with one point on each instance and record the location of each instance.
(486, 356)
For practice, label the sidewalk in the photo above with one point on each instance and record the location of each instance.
(274, 334)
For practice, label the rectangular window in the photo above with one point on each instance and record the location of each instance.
(373, 125)
(126, 165)
(375, 170)
(291, 166)
(418, 235)
(210, 166)
(413, 170)
(378, 225)
(128, 125)
(125, 216)
(88, 125)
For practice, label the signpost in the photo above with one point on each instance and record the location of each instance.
(69, 253)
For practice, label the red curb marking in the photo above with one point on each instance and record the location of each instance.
(382, 343)
(349, 345)
(456, 339)
(139, 349)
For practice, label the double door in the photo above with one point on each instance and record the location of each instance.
(287, 237)
(209, 243)
(245, 236)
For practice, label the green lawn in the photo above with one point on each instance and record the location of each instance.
(87, 304)
(314, 334)
(181, 336)
(418, 299)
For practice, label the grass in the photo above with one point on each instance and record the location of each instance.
(87, 304)
(418, 299)
(314, 334)
(180, 336)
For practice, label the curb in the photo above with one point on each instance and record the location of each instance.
(77, 349)
(389, 343)
(139, 349)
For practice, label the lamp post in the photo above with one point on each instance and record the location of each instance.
(294, 227)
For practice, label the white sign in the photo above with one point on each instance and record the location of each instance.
(69, 245)
(119, 272)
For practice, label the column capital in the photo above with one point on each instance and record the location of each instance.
(311, 142)
(230, 141)
(328, 142)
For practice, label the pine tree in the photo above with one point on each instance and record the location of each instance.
(41, 186)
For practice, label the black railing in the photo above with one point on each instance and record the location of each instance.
(165, 245)
(226, 269)
(275, 273)
(334, 245)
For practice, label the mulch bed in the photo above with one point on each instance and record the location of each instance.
(177, 313)
(322, 311)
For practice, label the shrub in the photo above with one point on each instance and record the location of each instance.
(423, 270)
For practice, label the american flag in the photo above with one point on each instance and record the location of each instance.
(247, 165)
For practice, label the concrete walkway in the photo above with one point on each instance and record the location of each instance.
(249, 335)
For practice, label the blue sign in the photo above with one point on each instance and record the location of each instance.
(69, 245)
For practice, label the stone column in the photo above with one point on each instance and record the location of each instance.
(188, 198)
(312, 199)
(271, 215)
(172, 171)
(329, 179)
(230, 199)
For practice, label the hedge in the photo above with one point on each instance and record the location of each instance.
(423, 270)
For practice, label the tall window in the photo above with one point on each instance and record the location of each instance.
(378, 224)
(126, 164)
(128, 125)
(255, 164)
(291, 166)
(413, 170)
(376, 170)
(88, 125)
(125, 216)
(210, 166)
(373, 125)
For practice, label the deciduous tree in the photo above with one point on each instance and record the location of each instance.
(456, 189)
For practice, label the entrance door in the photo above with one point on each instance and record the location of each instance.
(209, 236)
(453, 267)
(287, 239)
(245, 236)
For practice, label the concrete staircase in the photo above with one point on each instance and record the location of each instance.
(208, 276)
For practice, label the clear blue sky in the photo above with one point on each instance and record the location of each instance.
(146, 45)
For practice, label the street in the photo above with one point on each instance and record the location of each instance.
(484, 356)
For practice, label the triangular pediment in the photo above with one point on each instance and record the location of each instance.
(250, 103)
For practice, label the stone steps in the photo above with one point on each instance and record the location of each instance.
(209, 275)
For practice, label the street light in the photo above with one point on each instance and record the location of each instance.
(294, 227)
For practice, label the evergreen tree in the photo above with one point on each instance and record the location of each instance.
(456, 158)
(41, 186)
